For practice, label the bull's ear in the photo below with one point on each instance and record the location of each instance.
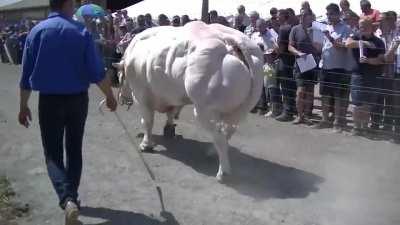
(118, 66)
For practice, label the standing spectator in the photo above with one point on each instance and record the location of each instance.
(369, 13)
(116, 23)
(268, 43)
(223, 21)
(12, 44)
(185, 19)
(130, 25)
(213, 16)
(118, 18)
(176, 21)
(126, 38)
(163, 20)
(390, 84)
(393, 58)
(352, 20)
(301, 45)
(293, 19)
(367, 79)
(149, 21)
(336, 62)
(274, 21)
(101, 31)
(306, 8)
(91, 26)
(244, 17)
(3, 54)
(118, 14)
(254, 16)
(62, 45)
(21, 41)
(124, 15)
(345, 8)
(109, 51)
(238, 24)
(285, 69)
(140, 25)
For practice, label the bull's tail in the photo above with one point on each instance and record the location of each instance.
(243, 52)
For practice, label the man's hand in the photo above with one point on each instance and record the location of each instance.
(338, 43)
(301, 54)
(25, 116)
(105, 87)
(111, 103)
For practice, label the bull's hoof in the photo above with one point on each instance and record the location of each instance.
(222, 177)
(146, 148)
(169, 131)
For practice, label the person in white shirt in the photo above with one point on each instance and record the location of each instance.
(390, 100)
(250, 29)
(263, 36)
(126, 38)
(268, 42)
(337, 62)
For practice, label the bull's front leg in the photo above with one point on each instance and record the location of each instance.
(169, 128)
(147, 121)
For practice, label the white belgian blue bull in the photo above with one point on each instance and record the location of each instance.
(213, 67)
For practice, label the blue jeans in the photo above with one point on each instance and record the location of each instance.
(63, 116)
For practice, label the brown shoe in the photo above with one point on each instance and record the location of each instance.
(71, 213)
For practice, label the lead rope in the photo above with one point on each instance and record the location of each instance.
(142, 159)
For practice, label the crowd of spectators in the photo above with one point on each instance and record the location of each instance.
(356, 57)
(356, 63)
(12, 41)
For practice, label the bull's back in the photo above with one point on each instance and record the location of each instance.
(147, 60)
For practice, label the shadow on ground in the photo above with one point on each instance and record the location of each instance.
(254, 177)
(118, 217)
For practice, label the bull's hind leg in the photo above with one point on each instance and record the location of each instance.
(147, 121)
(221, 144)
(220, 140)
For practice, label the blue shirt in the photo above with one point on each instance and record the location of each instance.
(337, 58)
(60, 57)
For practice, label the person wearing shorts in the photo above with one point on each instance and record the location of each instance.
(301, 45)
(366, 81)
(336, 61)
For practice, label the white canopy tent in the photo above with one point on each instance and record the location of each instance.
(228, 7)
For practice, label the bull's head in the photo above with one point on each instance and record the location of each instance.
(124, 93)
(120, 71)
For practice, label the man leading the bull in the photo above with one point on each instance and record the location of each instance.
(60, 61)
